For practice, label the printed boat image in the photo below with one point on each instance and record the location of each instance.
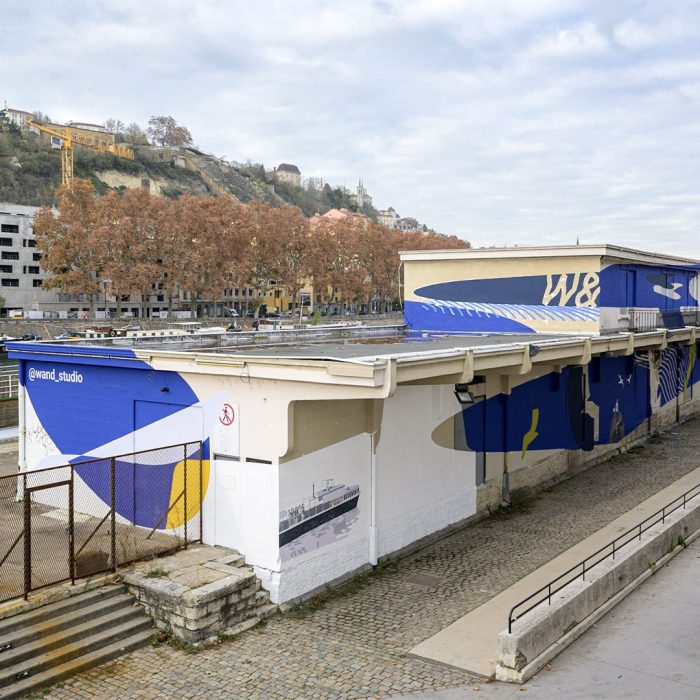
(330, 502)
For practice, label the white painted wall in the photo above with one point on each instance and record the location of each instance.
(343, 546)
(421, 487)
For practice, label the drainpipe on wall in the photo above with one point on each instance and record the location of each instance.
(373, 502)
(505, 485)
(21, 398)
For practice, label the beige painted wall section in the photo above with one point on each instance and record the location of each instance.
(318, 424)
(420, 273)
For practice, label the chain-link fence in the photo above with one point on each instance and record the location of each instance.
(90, 517)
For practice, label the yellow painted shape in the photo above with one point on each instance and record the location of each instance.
(691, 364)
(531, 434)
(176, 517)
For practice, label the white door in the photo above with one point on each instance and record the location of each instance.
(228, 480)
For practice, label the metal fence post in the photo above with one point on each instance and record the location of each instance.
(71, 525)
(201, 494)
(184, 486)
(113, 506)
(27, 541)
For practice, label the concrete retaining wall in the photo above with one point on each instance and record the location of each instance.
(8, 413)
(545, 631)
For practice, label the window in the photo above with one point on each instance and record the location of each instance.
(10, 228)
(5, 241)
(37, 283)
(29, 243)
(31, 269)
(10, 283)
(5, 268)
(10, 255)
(36, 256)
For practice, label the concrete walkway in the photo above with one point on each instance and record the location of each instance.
(470, 643)
(647, 647)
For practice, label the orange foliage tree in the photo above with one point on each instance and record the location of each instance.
(136, 243)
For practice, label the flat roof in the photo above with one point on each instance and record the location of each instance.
(596, 250)
(378, 349)
(375, 366)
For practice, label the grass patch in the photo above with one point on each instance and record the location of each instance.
(156, 572)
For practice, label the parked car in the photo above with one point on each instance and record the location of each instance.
(233, 313)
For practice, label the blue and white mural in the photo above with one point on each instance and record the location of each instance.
(571, 409)
(100, 402)
(566, 301)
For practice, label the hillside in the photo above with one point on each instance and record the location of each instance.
(30, 171)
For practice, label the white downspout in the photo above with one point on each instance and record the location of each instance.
(373, 503)
(21, 398)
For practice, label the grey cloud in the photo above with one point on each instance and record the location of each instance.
(529, 121)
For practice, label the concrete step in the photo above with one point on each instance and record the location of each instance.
(49, 624)
(61, 655)
(262, 597)
(10, 624)
(265, 611)
(21, 652)
(77, 665)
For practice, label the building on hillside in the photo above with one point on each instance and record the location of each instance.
(408, 224)
(562, 289)
(87, 126)
(388, 217)
(318, 460)
(18, 117)
(362, 197)
(81, 133)
(333, 216)
(288, 173)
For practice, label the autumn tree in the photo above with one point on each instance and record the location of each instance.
(135, 135)
(263, 260)
(165, 131)
(334, 247)
(174, 245)
(382, 259)
(67, 241)
(126, 242)
(115, 126)
(295, 262)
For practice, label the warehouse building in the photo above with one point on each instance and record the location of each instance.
(319, 460)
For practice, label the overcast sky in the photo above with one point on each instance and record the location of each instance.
(501, 121)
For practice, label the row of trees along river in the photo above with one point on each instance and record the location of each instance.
(135, 243)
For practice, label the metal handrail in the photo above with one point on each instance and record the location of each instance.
(588, 563)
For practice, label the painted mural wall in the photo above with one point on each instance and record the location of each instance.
(423, 482)
(325, 515)
(309, 520)
(546, 295)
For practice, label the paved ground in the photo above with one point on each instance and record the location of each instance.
(8, 458)
(353, 644)
(647, 647)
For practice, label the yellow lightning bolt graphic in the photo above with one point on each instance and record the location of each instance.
(531, 434)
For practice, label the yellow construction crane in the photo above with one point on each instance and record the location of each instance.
(68, 137)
